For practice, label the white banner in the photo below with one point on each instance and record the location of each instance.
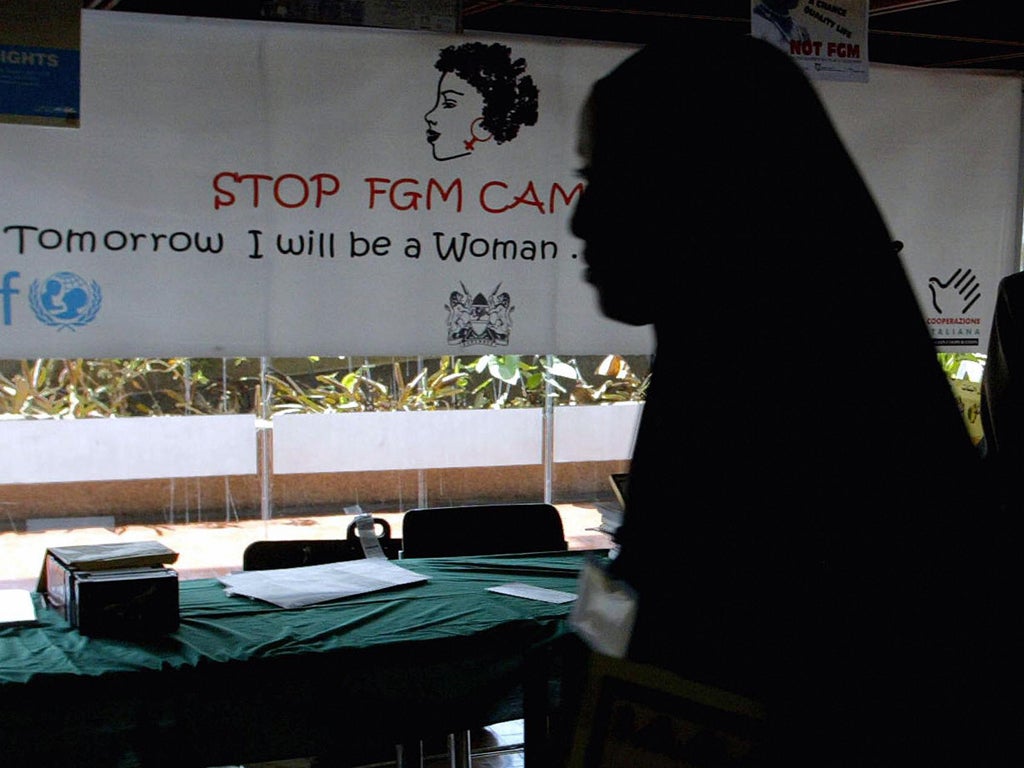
(941, 151)
(252, 188)
(248, 188)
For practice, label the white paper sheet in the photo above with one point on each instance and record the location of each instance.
(543, 594)
(605, 613)
(297, 587)
(16, 607)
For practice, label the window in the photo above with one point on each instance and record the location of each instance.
(228, 448)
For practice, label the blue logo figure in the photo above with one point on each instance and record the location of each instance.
(65, 300)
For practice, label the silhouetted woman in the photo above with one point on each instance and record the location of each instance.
(803, 526)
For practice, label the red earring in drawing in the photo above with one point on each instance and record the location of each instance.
(472, 132)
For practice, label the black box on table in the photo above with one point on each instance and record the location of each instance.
(125, 602)
(120, 589)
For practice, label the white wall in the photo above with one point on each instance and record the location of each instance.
(81, 450)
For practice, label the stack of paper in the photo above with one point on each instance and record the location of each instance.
(16, 607)
(121, 554)
(296, 587)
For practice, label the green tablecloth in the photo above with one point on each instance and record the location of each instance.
(243, 680)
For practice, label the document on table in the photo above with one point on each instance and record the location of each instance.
(516, 589)
(311, 584)
(16, 607)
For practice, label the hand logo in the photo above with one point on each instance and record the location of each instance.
(961, 287)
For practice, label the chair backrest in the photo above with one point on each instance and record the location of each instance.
(294, 553)
(482, 529)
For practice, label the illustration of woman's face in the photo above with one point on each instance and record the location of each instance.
(450, 121)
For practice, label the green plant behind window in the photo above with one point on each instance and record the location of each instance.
(962, 365)
(964, 370)
(76, 388)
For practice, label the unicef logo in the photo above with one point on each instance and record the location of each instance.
(65, 300)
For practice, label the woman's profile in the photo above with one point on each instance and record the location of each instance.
(815, 574)
(482, 94)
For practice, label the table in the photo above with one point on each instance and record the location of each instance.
(243, 680)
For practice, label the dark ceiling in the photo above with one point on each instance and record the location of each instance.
(979, 34)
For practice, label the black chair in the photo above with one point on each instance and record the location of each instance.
(480, 529)
(294, 553)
